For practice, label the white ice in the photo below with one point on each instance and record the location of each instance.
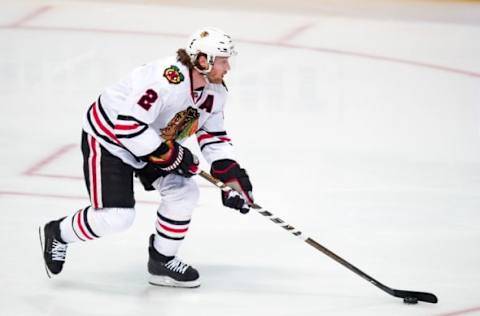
(358, 127)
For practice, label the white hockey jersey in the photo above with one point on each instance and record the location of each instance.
(154, 103)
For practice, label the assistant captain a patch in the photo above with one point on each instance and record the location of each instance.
(173, 75)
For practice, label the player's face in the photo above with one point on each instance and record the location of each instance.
(220, 68)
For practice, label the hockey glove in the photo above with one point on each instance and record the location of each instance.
(173, 157)
(230, 173)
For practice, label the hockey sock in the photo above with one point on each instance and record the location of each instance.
(170, 233)
(89, 223)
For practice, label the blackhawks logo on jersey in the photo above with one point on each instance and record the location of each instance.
(183, 124)
(173, 75)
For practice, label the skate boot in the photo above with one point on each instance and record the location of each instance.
(169, 271)
(54, 249)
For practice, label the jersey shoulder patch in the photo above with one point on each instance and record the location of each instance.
(173, 74)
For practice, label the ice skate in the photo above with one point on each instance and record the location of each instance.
(53, 248)
(170, 271)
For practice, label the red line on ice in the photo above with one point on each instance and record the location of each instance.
(30, 16)
(60, 196)
(264, 43)
(294, 33)
(55, 176)
(47, 160)
(462, 312)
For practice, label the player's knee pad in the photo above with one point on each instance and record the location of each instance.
(106, 221)
(179, 196)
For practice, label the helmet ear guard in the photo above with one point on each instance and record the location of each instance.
(198, 67)
(210, 42)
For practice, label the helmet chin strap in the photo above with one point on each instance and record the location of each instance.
(206, 78)
(205, 72)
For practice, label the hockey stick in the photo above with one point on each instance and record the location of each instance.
(408, 296)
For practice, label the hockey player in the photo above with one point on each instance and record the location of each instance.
(137, 126)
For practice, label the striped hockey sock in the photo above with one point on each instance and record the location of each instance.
(77, 227)
(170, 233)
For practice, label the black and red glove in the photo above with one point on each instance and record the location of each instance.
(173, 157)
(229, 172)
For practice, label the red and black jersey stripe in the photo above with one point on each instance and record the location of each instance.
(101, 124)
(103, 127)
(205, 138)
(128, 127)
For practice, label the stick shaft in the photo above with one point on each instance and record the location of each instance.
(427, 297)
(219, 184)
(299, 234)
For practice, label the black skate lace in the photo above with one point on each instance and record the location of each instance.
(59, 251)
(177, 266)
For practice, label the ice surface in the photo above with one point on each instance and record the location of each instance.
(362, 132)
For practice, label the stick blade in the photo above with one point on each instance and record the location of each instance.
(421, 296)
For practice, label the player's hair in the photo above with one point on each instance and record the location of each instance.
(184, 58)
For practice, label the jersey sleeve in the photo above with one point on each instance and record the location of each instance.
(133, 126)
(213, 139)
(138, 137)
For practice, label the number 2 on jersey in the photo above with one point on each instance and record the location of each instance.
(147, 99)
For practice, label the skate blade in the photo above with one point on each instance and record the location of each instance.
(168, 281)
(42, 239)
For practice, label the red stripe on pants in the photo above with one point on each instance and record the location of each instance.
(93, 168)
